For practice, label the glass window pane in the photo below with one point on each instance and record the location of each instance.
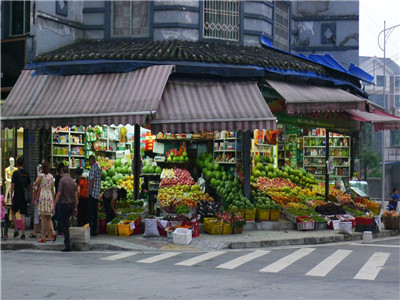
(140, 18)
(27, 17)
(121, 18)
(17, 15)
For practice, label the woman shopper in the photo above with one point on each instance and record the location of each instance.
(46, 202)
(82, 184)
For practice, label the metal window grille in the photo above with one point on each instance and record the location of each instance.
(19, 18)
(281, 32)
(221, 20)
(131, 18)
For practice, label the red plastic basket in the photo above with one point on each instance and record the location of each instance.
(364, 221)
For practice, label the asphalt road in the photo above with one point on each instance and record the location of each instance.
(334, 271)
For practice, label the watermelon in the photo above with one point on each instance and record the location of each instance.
(117, 163)
(103, 175)
(158, 170)
(111, 172)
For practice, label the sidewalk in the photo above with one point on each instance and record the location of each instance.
(205, 242)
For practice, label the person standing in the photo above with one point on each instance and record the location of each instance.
(45, 181)
(68, 192)
(57, 216)
(94, 194)
(19, 182)
(82, 184)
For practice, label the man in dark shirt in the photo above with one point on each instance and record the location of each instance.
(19, 182)
(57, 215)
(68, 192)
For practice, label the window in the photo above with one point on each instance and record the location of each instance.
(19, 18)
(328, 33)
(281, 26)
(379, 80)
(131, 18)
(221, 20)
(397, 82)
(397, 101)
(377, 99)
(395, 138)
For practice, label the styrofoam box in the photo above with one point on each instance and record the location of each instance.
(79, 235)
(182, 236)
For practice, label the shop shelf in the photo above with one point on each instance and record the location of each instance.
(77, 144)
(60, 155)
(77, 155)
(77, 132)
(61, 144)
(232, 138)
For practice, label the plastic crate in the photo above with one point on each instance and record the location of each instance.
(79, 235)
(112, 229)
(102, 226)
(207, 224)
(306, 225)
(182, 236)
(237, 229)
(250, 214)
(364, 221)
(321, 225)
(275, 214)
(216, 228)
(262, 214)
(125, 228)
(227, 228)
(196, 232)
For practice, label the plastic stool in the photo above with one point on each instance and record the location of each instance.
(367, 237)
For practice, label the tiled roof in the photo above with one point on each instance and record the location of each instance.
(176, 50)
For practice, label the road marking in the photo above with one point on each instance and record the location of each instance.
(230, 265)
(377, 245)
(156, 258)
(286, 261)
(329, 263)
(119, 256)
(200, 258)
(373, 266)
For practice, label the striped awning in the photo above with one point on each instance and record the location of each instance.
(206, 105)
(380, 119)
(107, 98)
(308, 98)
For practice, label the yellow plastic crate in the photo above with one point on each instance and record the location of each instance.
(216, 228)
(263, 214)
(112, 229)
(250, 214)
(227, 228)
(207, 223)
(124, 228)
(275, 214)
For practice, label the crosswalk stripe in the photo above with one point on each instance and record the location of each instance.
(119, 256)
(286, 261)
(372, 267)
(230, 265)
(157, 258)
(200, 258)
(329, 263)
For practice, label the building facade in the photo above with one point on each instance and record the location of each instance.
(32, 28)
(391, 102)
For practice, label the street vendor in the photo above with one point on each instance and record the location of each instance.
(394, 199)
(110, 197)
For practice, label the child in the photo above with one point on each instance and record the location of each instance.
(4, 218)
(82, 184)
(394, 198)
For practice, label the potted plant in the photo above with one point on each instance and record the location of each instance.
(238, 223)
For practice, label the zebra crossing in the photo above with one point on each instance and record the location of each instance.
(370, 269)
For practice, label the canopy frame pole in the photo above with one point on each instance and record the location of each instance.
(326, 164)
(136, 162)
(246, 163)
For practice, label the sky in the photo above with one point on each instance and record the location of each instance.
(372, 15)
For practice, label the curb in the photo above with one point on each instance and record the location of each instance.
(212, 245)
